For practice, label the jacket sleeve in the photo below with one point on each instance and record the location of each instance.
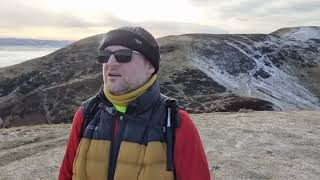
(65, 172)
(189, 157)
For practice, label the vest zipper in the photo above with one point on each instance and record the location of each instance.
(115, 145)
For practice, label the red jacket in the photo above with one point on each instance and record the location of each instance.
(189, 157)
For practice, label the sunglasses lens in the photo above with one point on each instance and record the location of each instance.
(102, 59)
(103, 56)
(123, 55)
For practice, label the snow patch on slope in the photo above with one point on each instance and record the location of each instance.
(299, 33)
(280, 89)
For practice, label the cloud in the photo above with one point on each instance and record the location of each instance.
(259, 16)
(16, 15)
(202, 3)
(111, 21)
(261, 8)
(215, 16)
(161, 28)
(297, 8)
(173, 28)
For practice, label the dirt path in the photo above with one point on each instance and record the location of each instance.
(262, 145)
(257, 145)
(32, 152)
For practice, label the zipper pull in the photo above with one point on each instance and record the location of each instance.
(111, 110)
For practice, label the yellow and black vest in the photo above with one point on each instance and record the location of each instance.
(139, 148)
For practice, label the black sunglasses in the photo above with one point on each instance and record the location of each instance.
(122, 55)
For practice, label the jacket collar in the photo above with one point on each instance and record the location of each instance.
(141, 103)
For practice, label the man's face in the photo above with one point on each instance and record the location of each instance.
(121, 78)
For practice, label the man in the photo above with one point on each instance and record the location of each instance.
(130, 135)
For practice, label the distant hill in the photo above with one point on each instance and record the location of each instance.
(33, 42)
(303, 33)
(279, 71)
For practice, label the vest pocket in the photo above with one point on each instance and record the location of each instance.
(154, 165)
(79, 163)
(129, 161)
(98, 159)
(91, 161)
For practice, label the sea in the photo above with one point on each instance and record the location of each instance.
(10, 55)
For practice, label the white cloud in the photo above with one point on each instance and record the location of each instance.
(77, 18)
(259, 16)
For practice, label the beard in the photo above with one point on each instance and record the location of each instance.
(120, 87)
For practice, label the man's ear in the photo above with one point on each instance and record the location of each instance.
(150, 69)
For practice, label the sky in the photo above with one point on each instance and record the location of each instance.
(77, 19)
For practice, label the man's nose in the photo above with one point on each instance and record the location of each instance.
(112, 61)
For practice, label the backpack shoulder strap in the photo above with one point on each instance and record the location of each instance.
(90, 108)
(173, 105)
(171, 123)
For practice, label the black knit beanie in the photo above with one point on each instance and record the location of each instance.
(137, 39)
